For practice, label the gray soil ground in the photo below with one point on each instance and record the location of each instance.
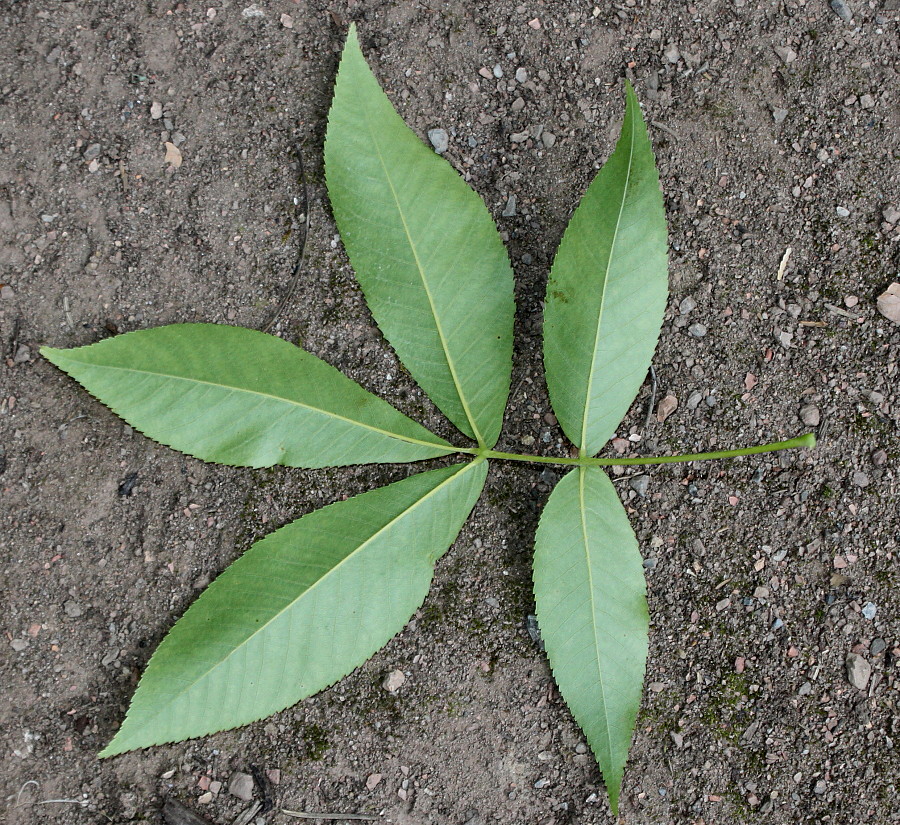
(776, 126)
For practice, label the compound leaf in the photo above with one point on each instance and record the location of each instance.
(301, 609)
(591, 608)
(237, 396)
(425, 250)
(607, 292)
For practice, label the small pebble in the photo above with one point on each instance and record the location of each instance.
(7, 293)
(394, 681)
(287, 21)
(241, 785)
(879, 457)
(640, 484)
(694, 400)
(820, 787)
(860, 479)
(810, 415)
(779, 115)
(156, 110)
(842, 211)
(891, 214)
(373, 780)
(92, 152)
(686, 305)
(869, 609)
(73, 609)
(672, 54)
(867, 102)
(205, 798)
(521, 75)
(888, 303)
(842, 10)
(440, 140)
(548, 139)
(666, 407)
(858, 671)
(786, 53)
(498, 71)
(878, 646)
(19, 644)
(509, 210)
(697, 330)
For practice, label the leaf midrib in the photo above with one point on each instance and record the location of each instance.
(590, 385)
(331, 570)
(582, 473)
(281, 399)
(421, 270)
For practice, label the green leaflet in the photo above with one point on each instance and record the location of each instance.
(589, 589)
(300, 609)
(607, 292)
(236, 396)
(425, 250)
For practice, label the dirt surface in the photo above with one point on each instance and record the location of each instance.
(776, 126)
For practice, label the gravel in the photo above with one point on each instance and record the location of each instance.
(810, 415)
(440, 140)
(393, 681)
(841, 9)
(241, 785)
(687, 305)
(698, 330)
(640, 484)
(858, 671)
